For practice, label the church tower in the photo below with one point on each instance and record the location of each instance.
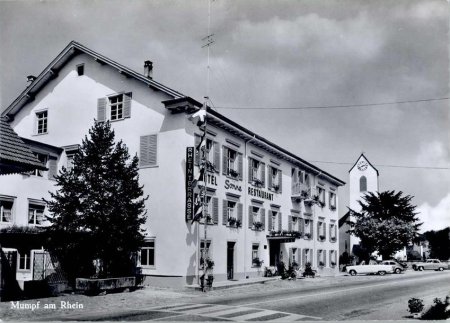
(363, 178)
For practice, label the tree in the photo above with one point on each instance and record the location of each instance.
(386, 223)
(98, 209)
(439, 243)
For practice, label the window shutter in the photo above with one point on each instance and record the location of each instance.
(325, 230)
(318, 257)
(329, 236)
(52, 168)
(304, 257)
(263, 218)
(216, 156)
(290, 256)
(148, 150)
(331, 256)
(302, 225)
(197, 154)
(225, 212)
(280, 227)
(294, 175)
(224, 160)
(215, 210)
(290, 222)
(269, 214)
(311, 226)
(250, 217)
(280, 181)
(263, 174)
(239, 212)
(127, 105)
(269, 179)
(318, 230)
(299, 257)
(240, 166)
(325, 258)
(101, 109)
(250, 170)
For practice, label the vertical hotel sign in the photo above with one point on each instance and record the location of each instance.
(189, 182)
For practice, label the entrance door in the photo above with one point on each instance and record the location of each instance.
(230, 260)
(274, 253)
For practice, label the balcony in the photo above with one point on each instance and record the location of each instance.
(300, 191)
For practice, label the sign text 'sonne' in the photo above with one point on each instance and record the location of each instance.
(230, 185)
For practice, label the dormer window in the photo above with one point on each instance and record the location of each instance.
(41, 122)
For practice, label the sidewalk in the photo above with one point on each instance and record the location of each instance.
(234, 283)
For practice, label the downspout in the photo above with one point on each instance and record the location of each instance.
(245, 220)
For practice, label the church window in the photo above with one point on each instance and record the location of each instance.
(363, 184)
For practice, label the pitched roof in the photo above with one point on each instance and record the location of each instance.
(72, 49)
(15, 155)
(362, 155)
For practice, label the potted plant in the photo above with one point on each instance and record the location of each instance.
(321, 237)
(232, 221)
(209, 264)
(308, 272)
(257, 182)
(257, 225)
(333, 239)
(321, 264)
(238, 223)
(307, 235)
(415, 306)
(275, 187)
(333, 264)
(233, 173)
(332, 207)
(257, 262)
(304, 194)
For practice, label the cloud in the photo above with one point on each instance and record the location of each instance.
(435, 217)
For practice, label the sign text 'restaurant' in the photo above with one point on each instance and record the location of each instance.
(260, 193)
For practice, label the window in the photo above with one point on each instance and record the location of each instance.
(35, 214)
(320, 258)
(256, 172)
(231, 208)
(332, 201)
(211, 211)
(69, 163)
(256, 218)
(321, 194)
(333, 232)
(255, 252)
(293, 261)
(306, 256)
(24, 261)
(308, 229)
(80, 69)
(274, 179)
(274, 221)
(296, 224)
(43, 159)
(148, 253)
(232, 163)
(321, 231)
(363, 184)
(255, 214)
(116, 105)
(6, 211)
(41, 122)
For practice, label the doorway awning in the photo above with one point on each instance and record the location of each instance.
(280, 239)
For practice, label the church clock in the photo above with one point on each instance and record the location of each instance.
(362, 165)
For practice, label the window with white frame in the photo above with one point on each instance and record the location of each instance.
(307, 256)
(42, 122)
(308, 230)
(333, 232)
(321, 194)
(294, 260)
(232, 167)
(6, 207)
(333, 258)
(148, 253)
(321, 230)
(36, 214)
(332, 200)
(255, 175)
(256, 214)
(231, 210)
(255, 253)
(320, 258)
(116, 107)
(24, 261)
(43, 158)
(274, 178)
(256, 171)
(296, 223)
(274, 221)
(69, 163)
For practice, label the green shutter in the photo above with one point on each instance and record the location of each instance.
(216, 156)
(250, 217)
(148, 150)
(101, 110)
(225, 160)
(52, 168)
(280, 224)
(240, 166)
(263, 174)
(263, 218)
(225, 212)
(215, 210)
(280, 181)
(269, 215)
(127, 105)
(239, 212)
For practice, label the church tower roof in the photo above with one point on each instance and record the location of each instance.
(362, 156)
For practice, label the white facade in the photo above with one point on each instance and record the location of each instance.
(160, 117)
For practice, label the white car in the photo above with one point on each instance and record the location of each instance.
(380, 269)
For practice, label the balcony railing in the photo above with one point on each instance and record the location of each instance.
(301, 190)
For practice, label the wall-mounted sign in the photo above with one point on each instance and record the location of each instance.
(260, 193)
(229, 185)
(189, 180)
(211, 179)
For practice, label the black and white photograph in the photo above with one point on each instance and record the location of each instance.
(224, 160)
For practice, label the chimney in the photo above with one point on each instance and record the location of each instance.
(30, 79)
(148, 69)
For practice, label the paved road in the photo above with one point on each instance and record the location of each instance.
(343, 298)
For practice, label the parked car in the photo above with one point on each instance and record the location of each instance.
(380, 269)
(433, 264)
(398, 267)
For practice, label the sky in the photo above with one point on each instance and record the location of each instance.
(278, 54)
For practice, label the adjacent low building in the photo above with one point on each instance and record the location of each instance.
(265, 204)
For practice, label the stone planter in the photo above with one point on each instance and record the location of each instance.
(93, 286)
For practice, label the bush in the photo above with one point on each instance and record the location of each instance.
(415, 305)
(436, 311)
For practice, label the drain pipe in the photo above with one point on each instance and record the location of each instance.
(245, 211)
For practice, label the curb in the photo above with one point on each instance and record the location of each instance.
(231, 285)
